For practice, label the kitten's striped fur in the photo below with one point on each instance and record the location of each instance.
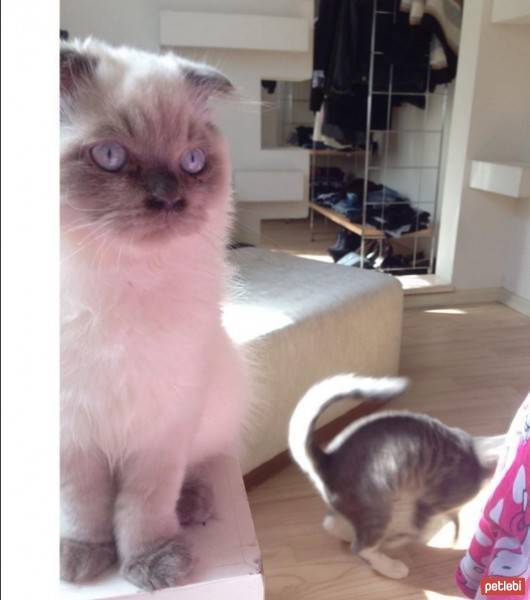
(387, 475)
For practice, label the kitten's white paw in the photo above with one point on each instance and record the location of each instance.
(383, 564)
(339, 527)
(160, 565)
(82, 561)
(195, 504)
(396, 570)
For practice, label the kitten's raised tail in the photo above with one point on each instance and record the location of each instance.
(489, 449)
(304, 448)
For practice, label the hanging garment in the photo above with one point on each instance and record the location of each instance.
(448, 13)
(443, 18)
(342, 55)
(340, 35)
(438, 58)
(334, 137)
(407, 49)
(342, 49)
(347, 111)
(341, 65)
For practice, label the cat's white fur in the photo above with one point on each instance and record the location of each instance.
(151, 383)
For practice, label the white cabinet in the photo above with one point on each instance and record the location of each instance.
(507, 179)
(234, 31)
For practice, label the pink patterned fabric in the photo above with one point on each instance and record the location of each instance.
(501, 544)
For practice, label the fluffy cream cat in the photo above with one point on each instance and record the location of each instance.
(151, 384)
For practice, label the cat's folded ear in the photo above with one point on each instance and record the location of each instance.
(77, 68)
(207, 81)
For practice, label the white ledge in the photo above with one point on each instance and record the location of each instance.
(240, 32)
(423, 284)
(507, 179)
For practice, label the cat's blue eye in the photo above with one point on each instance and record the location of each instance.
(110, 156)
(193, 161)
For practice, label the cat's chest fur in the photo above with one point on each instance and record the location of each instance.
(132, 356)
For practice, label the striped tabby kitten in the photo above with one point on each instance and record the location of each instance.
(387, 475)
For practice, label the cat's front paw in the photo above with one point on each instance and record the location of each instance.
(389, 567)
(160, 565)
(397, 570)
(82, 561)
(195, 504)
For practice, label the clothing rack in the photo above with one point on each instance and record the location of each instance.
(382, 163)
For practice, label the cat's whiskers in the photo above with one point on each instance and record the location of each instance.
(92, 236)
(85, 210)
(78, 225)
(127, 242)
(99, 255)
(118, 259)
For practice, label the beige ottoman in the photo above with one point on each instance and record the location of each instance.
(301, 321)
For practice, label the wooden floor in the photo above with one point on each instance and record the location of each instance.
(470, 367)
(293, 236)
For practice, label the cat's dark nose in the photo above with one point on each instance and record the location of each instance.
(155, 203)
(162, 191)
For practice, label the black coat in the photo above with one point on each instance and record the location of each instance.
(341, 60)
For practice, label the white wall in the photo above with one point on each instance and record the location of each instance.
(516, 277)
(131, 22)
(485, 237)
(137, 22)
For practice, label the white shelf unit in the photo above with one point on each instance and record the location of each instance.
(506, 179)
(233, 31)
(413, 152)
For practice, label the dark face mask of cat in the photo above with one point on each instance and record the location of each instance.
(152, 168)
(109, 184)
